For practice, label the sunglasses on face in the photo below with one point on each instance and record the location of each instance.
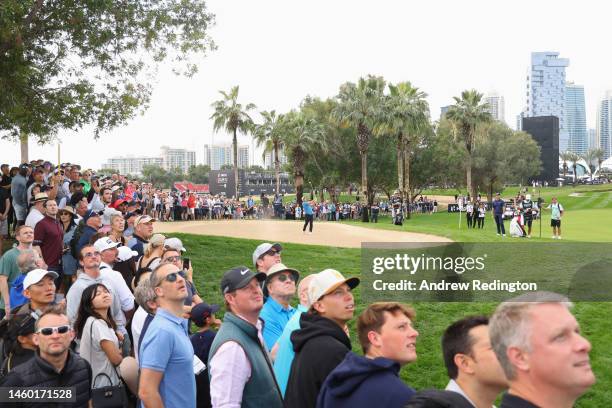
(272, 252)
(91, 254)
(47, 331)
(172, 277)
(284, 277)
(175, 258)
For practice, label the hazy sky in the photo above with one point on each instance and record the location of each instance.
(280, 51)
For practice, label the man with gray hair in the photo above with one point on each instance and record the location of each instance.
(146, 298)
(538, 344)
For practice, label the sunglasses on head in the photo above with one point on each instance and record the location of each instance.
(172, 277)
(283, 277)
(47, 331)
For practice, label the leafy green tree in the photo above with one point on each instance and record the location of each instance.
(155, 175)
(591, 157)
(468, 115)
(302, 137)
(360, 107)
(268, 134)
(231, 116)
(226, 167)
(573, 158)
(599, 155)
(199, 173)
(67, 64)
(406, 118)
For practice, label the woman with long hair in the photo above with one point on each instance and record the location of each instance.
(69, 264)
(100, 345)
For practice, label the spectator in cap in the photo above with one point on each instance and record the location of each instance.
(39, 289)
(108, 257)
(203, 316)
(538, 343)
(49, 235)
(143, 230)
(37, 212)
(471, 364)
(18, 345)
(239, 365)
(322, 342)
(54, 364)
(388, 341)
(279, 286)
(174, 243)
(9, 269)
(282, 352)
(92, 223)
(166, 354)
(18, 192)
(266, 255)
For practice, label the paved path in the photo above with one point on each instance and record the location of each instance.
(324, 233)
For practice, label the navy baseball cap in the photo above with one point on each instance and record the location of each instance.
(202, 311)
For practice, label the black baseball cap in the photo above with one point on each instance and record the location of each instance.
(201, 311)
(238, 277)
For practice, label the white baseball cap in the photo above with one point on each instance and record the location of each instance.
(126, 253)
(174, 243)
(325, 282)
(36, 276)
(262, 249)
(105, 243)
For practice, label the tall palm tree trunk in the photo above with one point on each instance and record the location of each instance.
(406, 154)
(468, 173)
(235, 148)
(400, 168)
(277, 168)
(299, 186)
(23, 140)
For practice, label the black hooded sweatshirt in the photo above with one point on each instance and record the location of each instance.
(320, 345)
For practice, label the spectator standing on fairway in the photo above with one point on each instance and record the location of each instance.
(498, 214)
(555, 217)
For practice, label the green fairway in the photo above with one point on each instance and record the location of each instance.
(213, 255)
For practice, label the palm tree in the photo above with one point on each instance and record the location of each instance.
(468, 115)
(269, 134)
(230, 115)
(589, 158)
(565, 157)
(599, 155)
(301, 136)
(574, 157)
(406, 115)
(359, 107)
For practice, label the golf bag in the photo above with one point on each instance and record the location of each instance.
(516, 227)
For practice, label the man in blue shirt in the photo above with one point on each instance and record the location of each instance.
(279, 286)
(283, 349)
(166, 353)
(498, 214)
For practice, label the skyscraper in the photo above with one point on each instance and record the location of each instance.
(604, 124)
(497, 107)
(593, 139)
(181, 158)
(575, 118)
(546, 90)
(219, 155)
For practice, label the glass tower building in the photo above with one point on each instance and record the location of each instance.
(604, 125)
(575, 119)
(545, 94)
